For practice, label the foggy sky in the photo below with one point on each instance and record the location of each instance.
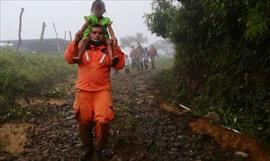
(127, 17)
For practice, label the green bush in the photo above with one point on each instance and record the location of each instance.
(222, 60)
(25, 74)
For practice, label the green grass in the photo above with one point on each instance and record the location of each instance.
(252, 120)
(164, 63)
(26, 74)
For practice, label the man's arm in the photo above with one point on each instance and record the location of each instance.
(71, 51)
(119, 55)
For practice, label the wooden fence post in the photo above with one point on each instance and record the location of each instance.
(58, 47)
(42, 36)
(70, 36)
(20, 29)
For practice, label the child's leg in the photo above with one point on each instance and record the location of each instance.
(82, 47)
(110, 48)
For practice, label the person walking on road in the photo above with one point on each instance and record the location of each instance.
(93, 104)
(133, 55)
(152, 55)
(145, 59)
(140, 55)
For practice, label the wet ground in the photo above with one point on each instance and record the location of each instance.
(141, 131)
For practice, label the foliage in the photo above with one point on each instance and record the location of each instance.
(23, 75)
(222, 60)
(60, 90)
(129, 41)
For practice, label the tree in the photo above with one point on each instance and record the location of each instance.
(129, 41)
(222, 60)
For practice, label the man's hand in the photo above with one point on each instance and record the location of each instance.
(115, 61)
(77, 60)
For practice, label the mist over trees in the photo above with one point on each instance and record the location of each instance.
(131, 40)
(164, 46)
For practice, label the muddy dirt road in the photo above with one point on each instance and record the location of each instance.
(141, 131)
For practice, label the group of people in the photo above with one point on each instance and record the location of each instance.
(140, 57)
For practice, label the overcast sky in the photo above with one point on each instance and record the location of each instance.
(68, 15)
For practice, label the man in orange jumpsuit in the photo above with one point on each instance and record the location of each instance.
(93, 103)
(152, 53)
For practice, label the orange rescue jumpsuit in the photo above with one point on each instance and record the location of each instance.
(93, 98)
